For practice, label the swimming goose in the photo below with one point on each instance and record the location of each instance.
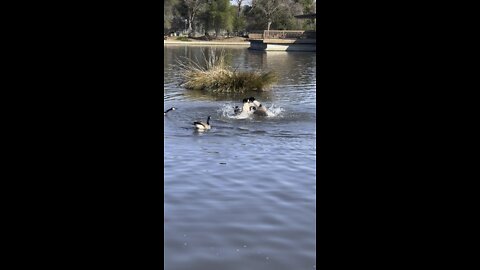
(260, 109)
(246, 105)
(236, 110)
(246, 111)
(246, 108)
(171, 109)
(203, 125)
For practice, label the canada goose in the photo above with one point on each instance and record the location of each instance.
(246, 111)
(246, 105)
(171, 109)
(246, 108)
(203, 125)
(260, 109)
(254, 101)
(236, 110)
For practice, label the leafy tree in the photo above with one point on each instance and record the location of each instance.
(308, 6)
(237, 15)
(239, 7)
(193, 7)
(270, 8)
(168, 13)
(218, 16)
(239, 22)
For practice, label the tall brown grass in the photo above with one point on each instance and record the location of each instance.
(213, 74)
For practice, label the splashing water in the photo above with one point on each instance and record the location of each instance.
(274, 111)
(227, 111)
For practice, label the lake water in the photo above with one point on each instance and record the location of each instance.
(241, 195)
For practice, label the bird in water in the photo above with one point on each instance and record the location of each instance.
(201, 126)
(260, 109)
(236, 110)
(246, 110)
(171, 109)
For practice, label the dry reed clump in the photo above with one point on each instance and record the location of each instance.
(216, 76)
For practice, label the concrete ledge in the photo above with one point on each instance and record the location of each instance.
(289, 41)
(261, 45)
(279, 41)
(170, 42)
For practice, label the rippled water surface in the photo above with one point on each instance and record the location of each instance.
(241, 195)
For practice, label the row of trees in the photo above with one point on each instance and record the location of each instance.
(204, 17)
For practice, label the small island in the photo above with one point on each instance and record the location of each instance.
(214, 74)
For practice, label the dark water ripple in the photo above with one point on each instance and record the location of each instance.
(241, 196)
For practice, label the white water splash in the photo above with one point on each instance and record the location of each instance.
(227, 111)
(274, 111)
